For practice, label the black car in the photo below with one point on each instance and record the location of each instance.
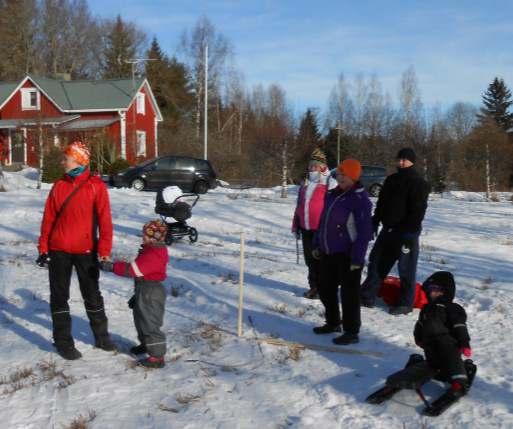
(189, 174)
(372, 178)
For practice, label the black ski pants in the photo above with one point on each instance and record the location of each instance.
(442, 353)
(312, 263)
(335, 273)
(390, 247)
(60, 269)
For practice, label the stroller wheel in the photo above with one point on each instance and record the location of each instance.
(193, 235)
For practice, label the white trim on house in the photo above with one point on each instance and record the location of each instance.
(36, 86)
(9, 145)
(156, 137)
(26, 99)
(25, 158)
(141, 103)
(156, 109)
(122, 133)
(140, 144)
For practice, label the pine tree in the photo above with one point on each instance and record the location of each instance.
(308, 138)
(497, 101)
(120, 46)
(170, 84)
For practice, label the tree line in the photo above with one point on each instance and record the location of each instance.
(254, 135)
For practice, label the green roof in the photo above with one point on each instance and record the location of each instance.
(90, 94)
(6, 89)
(110, 94)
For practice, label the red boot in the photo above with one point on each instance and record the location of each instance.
(153, 362)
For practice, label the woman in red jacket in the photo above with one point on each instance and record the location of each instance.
(78, 205)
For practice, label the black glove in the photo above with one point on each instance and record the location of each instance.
(131, 302)
(43, 260)
(316, 254)
(107, 266)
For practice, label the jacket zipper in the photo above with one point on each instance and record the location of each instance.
(326, 220)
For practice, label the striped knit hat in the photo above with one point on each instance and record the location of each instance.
(318, 156)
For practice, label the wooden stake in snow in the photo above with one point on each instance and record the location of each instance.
(241, 284)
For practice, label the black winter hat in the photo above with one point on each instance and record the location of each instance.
(407, 153)
(443, 279)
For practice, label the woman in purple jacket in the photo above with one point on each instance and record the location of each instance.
(341, 244)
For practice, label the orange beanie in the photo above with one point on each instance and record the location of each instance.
(79, 151)
(351, 168)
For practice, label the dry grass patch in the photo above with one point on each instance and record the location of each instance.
(81, 421)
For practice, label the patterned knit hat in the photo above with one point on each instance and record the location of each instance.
(155, 230)
(318, 156)
(79, 151)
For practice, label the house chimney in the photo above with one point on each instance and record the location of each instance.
(63, 76)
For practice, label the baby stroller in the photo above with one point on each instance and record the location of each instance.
(180, 210)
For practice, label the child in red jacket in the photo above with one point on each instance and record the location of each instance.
(148, 302)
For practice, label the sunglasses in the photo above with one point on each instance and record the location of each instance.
(434, 288)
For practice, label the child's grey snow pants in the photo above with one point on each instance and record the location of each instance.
(150, 301)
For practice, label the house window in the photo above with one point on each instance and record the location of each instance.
(140, 103)
(141, 144)
(30, 99)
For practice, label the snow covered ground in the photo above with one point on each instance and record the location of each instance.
(214, 379)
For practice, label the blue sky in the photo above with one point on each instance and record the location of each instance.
(456, 47)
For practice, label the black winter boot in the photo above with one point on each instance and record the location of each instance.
(345, 339)
(106, 344)
(326, 329)
(138, 350)
(69, 353)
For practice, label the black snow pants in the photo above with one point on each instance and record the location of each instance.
(388, 249)
(312, 263)
(60, 269)
(335, 273)
(442, 353)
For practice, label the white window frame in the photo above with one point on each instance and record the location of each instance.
(26, 97)
(141, 103)
(141, 144)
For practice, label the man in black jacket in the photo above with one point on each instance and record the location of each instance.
(400, 209)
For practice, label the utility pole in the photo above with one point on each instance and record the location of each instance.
(339, 129)
(205, 115)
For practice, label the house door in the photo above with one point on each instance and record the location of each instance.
(17, 147)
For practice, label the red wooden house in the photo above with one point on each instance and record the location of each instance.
(124, 110)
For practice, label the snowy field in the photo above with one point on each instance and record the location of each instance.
(213, 379)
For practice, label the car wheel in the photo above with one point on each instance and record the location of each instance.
(138, 184)
(200, 187)
(374, 190)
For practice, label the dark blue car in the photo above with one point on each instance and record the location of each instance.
(372, 178)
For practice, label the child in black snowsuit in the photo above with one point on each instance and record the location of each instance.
(442, 332)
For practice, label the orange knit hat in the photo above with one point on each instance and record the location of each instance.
(351, 168)
(79, 151)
